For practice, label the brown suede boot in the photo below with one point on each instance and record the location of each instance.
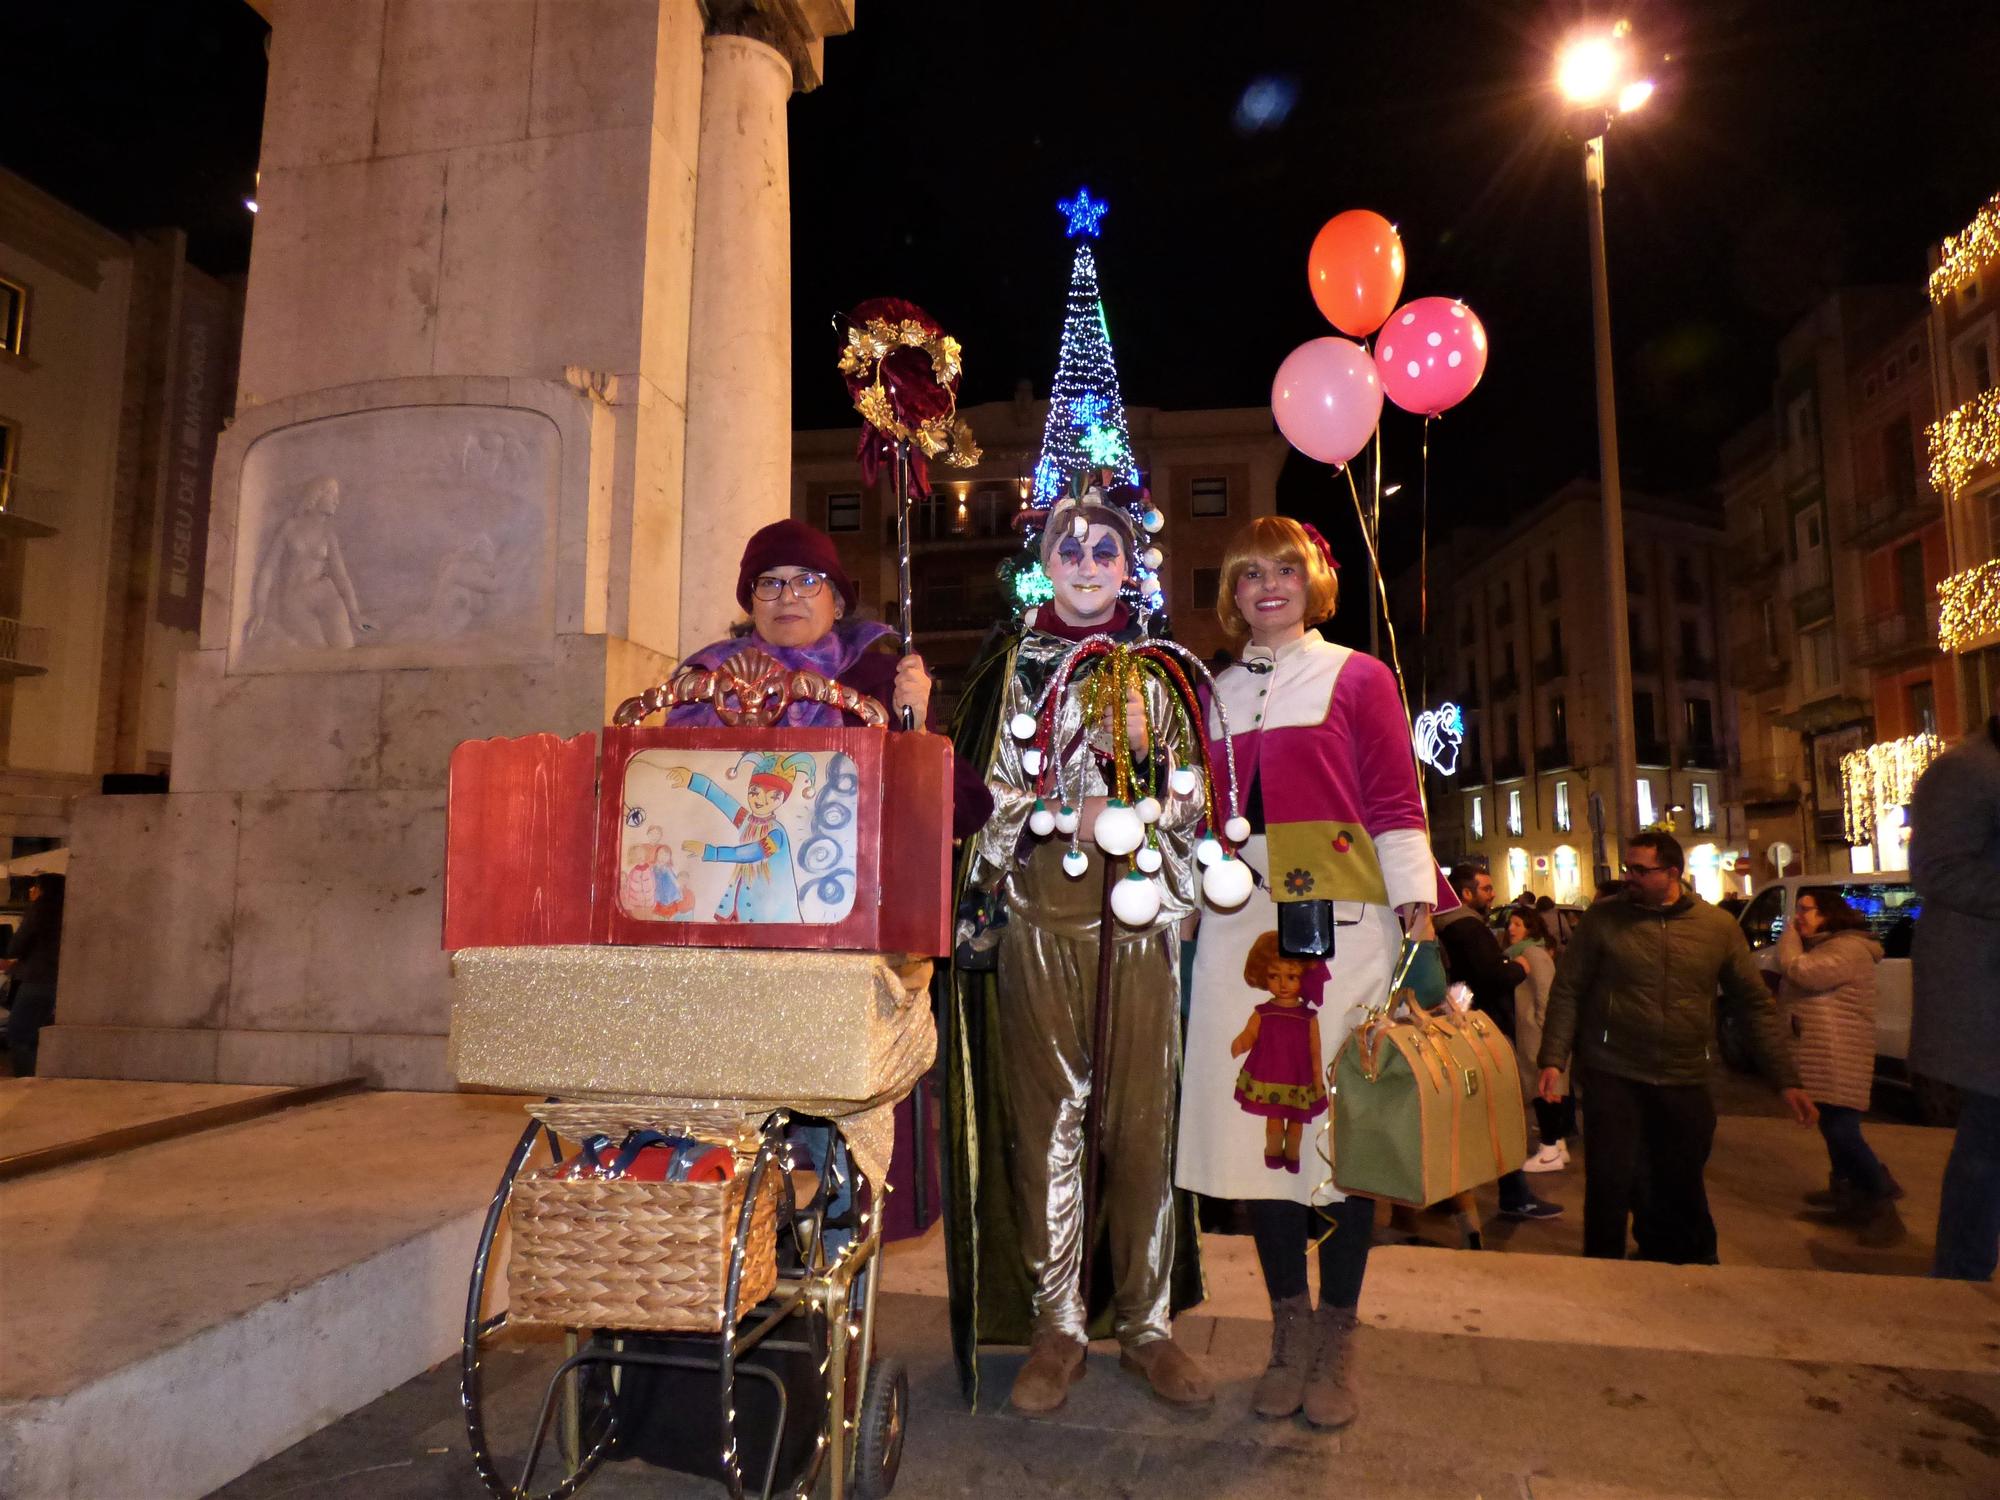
(1281, 1389)
(1175, 1375)
(1882, 1227)
(1329, 1398)
(1055, 1362)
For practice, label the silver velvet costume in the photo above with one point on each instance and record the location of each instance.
(1047, 989)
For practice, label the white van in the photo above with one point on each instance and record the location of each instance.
(1891, 905)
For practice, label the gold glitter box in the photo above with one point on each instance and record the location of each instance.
(689, 1023)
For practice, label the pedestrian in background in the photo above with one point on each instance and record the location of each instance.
(1955, 974)
(1826, 996)
(1634, 1003)
(1528, 947)
(31, 964)
(1472, 958)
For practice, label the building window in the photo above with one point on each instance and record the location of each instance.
(1799, 421)
(1211, 497)
(1207, 584)
(1700, 724)
(1558, 722)
(1643, 728)
(1975, 364)
(1822, 666)
(1478, 817)
(1704, 810)
(1514, 811)
(843, 511)
(1647, 817)
(1923, 707)
(1899, 460)
(1563, 823)
(13, 317)
(10, 448)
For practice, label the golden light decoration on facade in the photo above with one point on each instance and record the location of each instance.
(1880, 779)
(1965, 440)
(1965, 255)
(1969, 607)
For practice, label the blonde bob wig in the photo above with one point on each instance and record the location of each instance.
(1283, 540)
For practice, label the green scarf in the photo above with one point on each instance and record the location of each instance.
(1515, 950)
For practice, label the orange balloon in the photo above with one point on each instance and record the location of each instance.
(1356, 271)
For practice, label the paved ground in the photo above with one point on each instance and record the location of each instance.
(1531, 1377)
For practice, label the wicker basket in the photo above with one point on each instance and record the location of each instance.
(652, 1256)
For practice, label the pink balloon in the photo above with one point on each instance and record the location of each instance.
(1327, 399)
(1431, 354)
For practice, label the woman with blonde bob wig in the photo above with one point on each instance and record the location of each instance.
(1329, 785)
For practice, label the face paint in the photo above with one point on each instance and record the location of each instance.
(1087, 573)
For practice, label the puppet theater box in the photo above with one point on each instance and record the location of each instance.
(715, 912)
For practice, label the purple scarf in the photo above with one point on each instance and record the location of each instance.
(832, 655)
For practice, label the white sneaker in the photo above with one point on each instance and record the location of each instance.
(1563, 1146)
(1548, 1159)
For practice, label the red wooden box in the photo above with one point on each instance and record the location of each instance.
(732, 838)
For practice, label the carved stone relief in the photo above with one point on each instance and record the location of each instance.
(404, 537)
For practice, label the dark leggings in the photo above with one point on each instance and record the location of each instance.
(1282, 1229)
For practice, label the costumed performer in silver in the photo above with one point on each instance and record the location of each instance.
(1021, 1049)
(1336, 816)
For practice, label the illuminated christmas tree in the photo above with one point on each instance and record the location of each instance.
(1086, 428)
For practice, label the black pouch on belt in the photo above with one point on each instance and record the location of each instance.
(1305, 929)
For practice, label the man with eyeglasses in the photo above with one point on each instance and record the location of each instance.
(1634, 1002)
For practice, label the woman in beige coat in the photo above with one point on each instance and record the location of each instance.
(1527, 944)
(1827, 997)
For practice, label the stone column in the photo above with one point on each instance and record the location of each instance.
(739, 384)
(450, 504)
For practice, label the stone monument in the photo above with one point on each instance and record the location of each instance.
(516, 371)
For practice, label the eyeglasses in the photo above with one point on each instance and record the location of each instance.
(805, 585)
(1644, 869)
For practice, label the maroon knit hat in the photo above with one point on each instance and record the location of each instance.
(792, 544)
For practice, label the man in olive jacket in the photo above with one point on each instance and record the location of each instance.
(1634, 1001)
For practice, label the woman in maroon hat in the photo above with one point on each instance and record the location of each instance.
(801, 605)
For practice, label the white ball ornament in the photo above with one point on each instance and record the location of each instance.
(1118, 829)
(1031, 762)
(1135, 900)
(1207, 852)
(1226, 883)
(1075, 863)
(1149, 858)
(1152, 557)
(1152, 520)
(1151, 587)
(1067, 818)
(1183, 781)
(1041, 822)
(1237, 829)
(1022, 726)
(1149, 810)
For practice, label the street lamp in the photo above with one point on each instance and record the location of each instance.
(1598, 75)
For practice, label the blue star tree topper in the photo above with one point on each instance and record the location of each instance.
(1084, 213)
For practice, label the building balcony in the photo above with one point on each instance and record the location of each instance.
(1700, 758)
(1645, 659)
(1506, 685)
(27, 510)
(1757, 670)
(1508, 768)
(1810, 606)
(1881, 519)
(1897, 635)
(1697, 669)
(1554, 757)
(24, 649)
(1550, 667)
(1970, 617)
(1770, 782)
(1754, 563)
(1651, 753)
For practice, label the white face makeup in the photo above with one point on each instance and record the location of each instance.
(1087, 572)
(1272, 596)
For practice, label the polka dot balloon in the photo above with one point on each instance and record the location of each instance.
(1430, 354)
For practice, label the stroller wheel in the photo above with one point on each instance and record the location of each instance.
(879, 1434)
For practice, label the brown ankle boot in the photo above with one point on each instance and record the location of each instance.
(1329, 1394)
(1175, 1375)
(1882, 1227)
(1281, 1389)
(1055, 1362)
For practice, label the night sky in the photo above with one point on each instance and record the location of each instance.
(1794, 145)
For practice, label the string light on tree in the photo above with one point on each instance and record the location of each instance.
(1086, 427)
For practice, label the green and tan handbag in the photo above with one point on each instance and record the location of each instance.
(1425, 1103)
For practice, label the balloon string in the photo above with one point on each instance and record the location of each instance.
(1424, 564)
(1395, 656)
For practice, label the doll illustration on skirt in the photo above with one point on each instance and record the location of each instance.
(1280, 1079)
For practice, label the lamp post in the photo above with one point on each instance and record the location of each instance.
(1595, 75)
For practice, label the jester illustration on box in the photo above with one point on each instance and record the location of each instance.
(738, 836)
